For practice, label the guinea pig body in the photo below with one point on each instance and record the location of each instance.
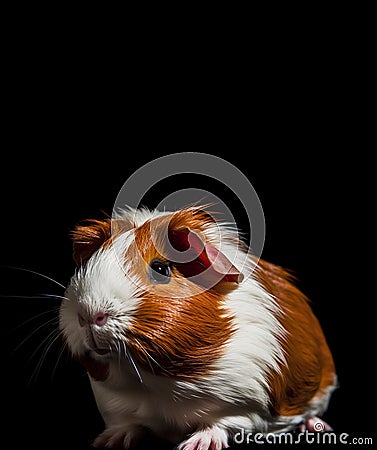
(184, 346)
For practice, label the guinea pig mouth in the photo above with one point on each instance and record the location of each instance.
(101, 351)
(94, 343)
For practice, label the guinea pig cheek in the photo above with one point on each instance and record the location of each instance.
(72, 332)
(179, 336)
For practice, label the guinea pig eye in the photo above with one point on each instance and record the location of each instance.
(159, 271)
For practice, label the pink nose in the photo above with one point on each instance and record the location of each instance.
(100, 319)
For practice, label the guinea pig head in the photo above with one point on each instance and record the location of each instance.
(151, 287)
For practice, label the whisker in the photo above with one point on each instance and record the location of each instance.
(122, 350)
(62, 297)
(62, 349)
(47, 323)
(131, 360)
(118, 350)
(20, 296)
(149, 357)
(39, 296)
(51, 339)
(114, 346)
(36, 316)
(55, 330)
(36, 273)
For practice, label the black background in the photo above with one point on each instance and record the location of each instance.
(307, 228)
(70, 142)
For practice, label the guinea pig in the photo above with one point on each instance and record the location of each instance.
(177, 341)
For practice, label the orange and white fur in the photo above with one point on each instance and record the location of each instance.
(190, 363)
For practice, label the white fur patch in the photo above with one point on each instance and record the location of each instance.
(100, 285)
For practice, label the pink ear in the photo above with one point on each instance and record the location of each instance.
(204, 259)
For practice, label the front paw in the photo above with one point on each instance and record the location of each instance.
(117, 437)
(314, 424)
(213, 438)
